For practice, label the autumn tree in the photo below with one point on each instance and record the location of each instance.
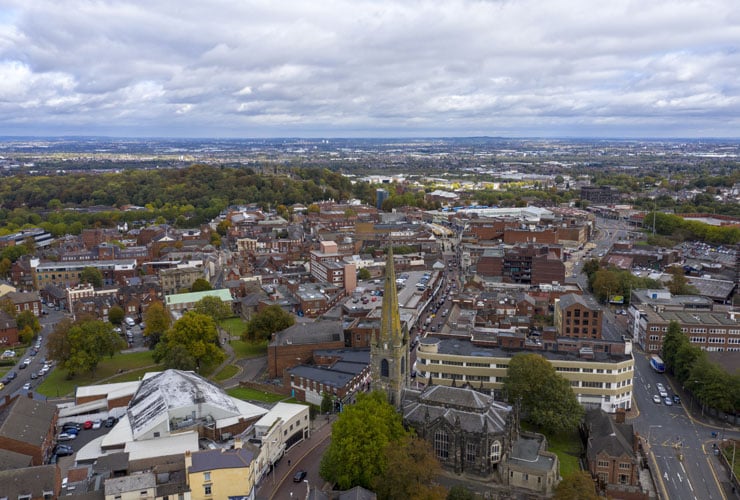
(192, 342)
(545, 396)
(157, 321)
(79, 346)
(213, 307)
(577, 486)
(364, 274)
(679, 285)
(268, 321)
(360, 437)
(410, 472)
(26, 319)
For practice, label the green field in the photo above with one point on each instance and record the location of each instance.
(57, 384)
(246, 394)
(568, 449)
(228, 372)
(249, 349)
(235, 326)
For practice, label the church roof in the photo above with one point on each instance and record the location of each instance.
(607, 436)
(473, 410)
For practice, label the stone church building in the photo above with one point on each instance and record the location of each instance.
(471, 433)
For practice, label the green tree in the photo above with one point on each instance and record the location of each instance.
(326, 403)
(79, 346)
(364, 274)
(115, 315)
(213, 307)
(7, 305)
(157, 321)
(672, 341)
(201, 285)
(590, 267)
(5, 266)
(360, 436)
(576, 486)
(546, 397)
(195, 333)
(410, 472)
(26, 319)
(92, 276)
(605, 283)
(268, 321)
(459, 492)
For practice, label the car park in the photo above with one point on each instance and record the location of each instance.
(663, 393)
(656, 399)
(668, 401)
(299, 476)
(66, 436)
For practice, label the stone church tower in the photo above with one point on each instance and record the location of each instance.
(389, 351)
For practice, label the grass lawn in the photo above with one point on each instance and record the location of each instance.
(56, 383)
(228, 372)
(247, 394)
(249, 349)
(132, 375)
(568, 449)
(728, 452)
(235, 326)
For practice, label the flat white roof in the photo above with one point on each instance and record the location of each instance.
(284, 411)
(176, 444)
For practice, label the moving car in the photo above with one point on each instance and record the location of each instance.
(299, 476)
(656, 399)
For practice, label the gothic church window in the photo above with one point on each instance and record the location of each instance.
(384, 368)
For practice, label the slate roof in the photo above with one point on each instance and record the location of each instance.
(474, 410)
(525, 454)
(28, 421)
(607, 436)
(11, 460)
(173, 389)
(30, 480)
(221, 459)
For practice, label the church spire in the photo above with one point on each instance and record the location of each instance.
(390, 318)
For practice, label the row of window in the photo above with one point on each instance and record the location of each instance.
(442, 448)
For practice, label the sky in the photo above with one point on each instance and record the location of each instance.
(370, 68)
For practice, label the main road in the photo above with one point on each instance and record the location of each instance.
(679, 447)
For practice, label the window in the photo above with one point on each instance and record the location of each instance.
(441, 444)
(602, 463)
(207, 490)
(384, 368)
(624, 466)
(623, 479)
(495, 451)
(471, 452)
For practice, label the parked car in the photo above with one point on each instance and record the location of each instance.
(668, 401)
(110, 421)
(71, 425)
(299, 476)
(2, 386)
(676, 399)
(656, 399)
(97, 424)
(66, 436)
(63, 450)
(27, 386)
(71, 430)
(34, 375)
(88, 424)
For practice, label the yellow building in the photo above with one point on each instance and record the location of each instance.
(600, 379)
(222, 473)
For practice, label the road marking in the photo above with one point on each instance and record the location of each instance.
(679, 477)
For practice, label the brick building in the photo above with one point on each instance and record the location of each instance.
(295, 345)
(577, 317)
(28, 427)
(526, 264)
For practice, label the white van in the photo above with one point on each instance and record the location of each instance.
(129, 321)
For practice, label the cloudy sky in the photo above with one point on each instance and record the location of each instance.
(370, 68)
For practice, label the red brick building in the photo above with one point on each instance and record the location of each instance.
(577, 318)
(28, 427)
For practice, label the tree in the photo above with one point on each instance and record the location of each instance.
(92, 276)
(678, 284)
(157, 321)
(27, 319)
(326, 403)
(7, 305)
(201, 285)
(546, 397)
(576, 486)
(268, 321)
(410, 472)
(360, 436)
(5, 266)
(213, 307)
(79, 346)
(364, 274)
(459, 492)
(194, 335)
(672, 341)
(115, 315)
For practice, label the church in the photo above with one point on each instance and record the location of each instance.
(471, 433)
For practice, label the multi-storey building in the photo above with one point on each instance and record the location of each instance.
(600, 372)
(527, 264)
(327, 265)
(600, 195)
(179, 279)
(68, 273)
(711, 331)
(576, 316)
